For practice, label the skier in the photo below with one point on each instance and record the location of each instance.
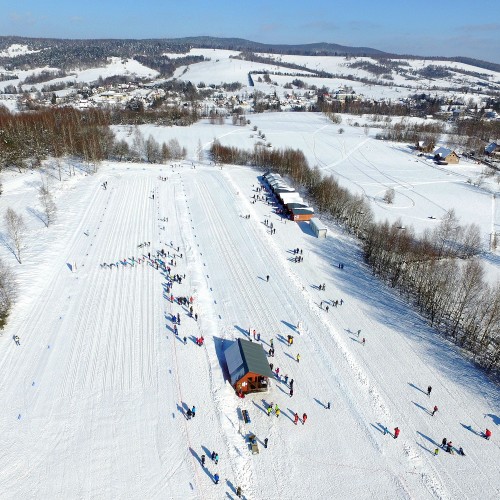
(295, 418)
(216, 478)
(238, 491)
(216, 459)
(487, 434)
(429, 389)
(185, 340)
(443, 442)
(286, 379)
(193, 411)
(265, 443)
(449, 447)
(271, 366)
(269, 410)
(328, 405)
(436, 451)
(363, 341)
(267, 277)
(434, 410)
(461, 452)
(298, 358)
(359, 331)
(278, 411)
(396, 432)
(327, 307)
(304, 418)
(196, 316)
(291, 392)
(271, 343)
(189, 414)
(291, 384)
(176, 332)
(16, 339)
(203, 460)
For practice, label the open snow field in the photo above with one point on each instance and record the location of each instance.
(364, 165)
(93, 399)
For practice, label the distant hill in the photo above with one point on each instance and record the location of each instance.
(63, 53)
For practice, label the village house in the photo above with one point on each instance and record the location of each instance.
(444, 156)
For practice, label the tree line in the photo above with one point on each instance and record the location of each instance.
(438, 272)
(28, 138)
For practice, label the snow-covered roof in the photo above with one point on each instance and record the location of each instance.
(442, 152)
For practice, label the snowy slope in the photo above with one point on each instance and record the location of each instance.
(115, 66)
(17, 49)
(93, 398)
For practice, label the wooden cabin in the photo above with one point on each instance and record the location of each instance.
(248, 368)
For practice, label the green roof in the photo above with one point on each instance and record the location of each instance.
(254, 358)
(244, 356)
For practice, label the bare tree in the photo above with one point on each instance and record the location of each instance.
(16, 230)
(8, 291)
(200, 151)
(49, 208)
(152, 150)
(389, 196)
(175, 149)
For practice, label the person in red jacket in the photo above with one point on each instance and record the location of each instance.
(295, 418)
(487, 434)
(434, 411)
(396, 432)
(304, 418)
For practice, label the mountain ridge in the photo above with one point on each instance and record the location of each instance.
(128, 47)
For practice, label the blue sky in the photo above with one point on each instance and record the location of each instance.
(425, 27)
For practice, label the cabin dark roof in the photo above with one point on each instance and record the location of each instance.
(244, 357)
(302, 211)
(295, 205)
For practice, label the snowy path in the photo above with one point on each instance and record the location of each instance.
(94, 398)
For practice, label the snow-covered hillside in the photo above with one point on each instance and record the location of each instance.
(16, 49)
(460, 82)
(115, 66)
(94, 397)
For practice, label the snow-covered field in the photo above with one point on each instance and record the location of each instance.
(93, 399)
(363, 164)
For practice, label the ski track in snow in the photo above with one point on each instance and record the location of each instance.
(104, 383)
